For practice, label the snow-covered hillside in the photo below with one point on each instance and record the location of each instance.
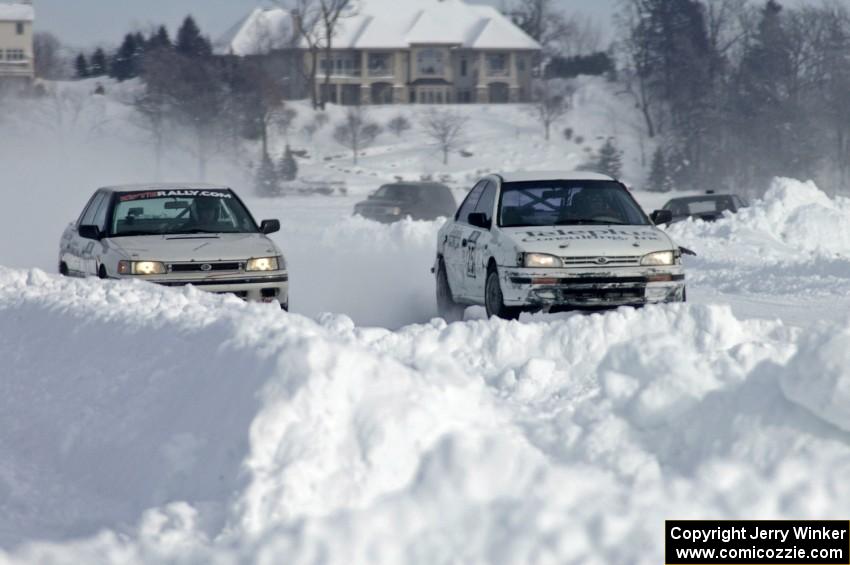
(148, 425)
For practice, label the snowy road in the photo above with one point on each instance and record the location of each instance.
(141, 424)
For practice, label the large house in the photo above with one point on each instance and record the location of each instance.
(408, 51)
(16, 44)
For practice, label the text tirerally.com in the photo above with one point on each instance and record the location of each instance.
(697, 542)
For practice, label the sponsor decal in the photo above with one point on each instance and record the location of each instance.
(611, 234)
(173, 194)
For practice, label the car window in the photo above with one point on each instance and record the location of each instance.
(470, 202)
(102, 211)
(549, 203)
(88, 215)
(487, 201)
(172, 212)
(396, 192)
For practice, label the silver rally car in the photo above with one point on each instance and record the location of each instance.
(176, 235)
(538, 241)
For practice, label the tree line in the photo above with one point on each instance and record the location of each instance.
(736, 93)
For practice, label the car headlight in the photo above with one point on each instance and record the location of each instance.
(394, 211)
(141, 268)
(263, 264)
(541, 260)
(659, 259)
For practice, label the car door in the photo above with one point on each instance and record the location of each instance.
(455, 247)
(76, 245)
(478, 246)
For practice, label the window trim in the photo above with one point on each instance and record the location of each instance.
(468, 196)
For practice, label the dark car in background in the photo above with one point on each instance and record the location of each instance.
(419, 200)
(707, 208)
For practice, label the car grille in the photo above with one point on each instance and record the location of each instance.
(198, 267)
(602, 262)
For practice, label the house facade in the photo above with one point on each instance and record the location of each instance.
(16, 44)
(415, 51)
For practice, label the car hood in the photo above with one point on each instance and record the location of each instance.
(590, 240)
(200, 247)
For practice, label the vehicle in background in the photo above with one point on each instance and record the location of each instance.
(176, 235)
(419, 200)
(707, 208)
(535, 241)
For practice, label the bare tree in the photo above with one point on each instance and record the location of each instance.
(541, 20)
(576, 35)
(356, 131)
(637, 55)
(154, 105)
(445, 128)
(550, 104)
(331, 13)
(306, 16)
(284, 118)
(49, 61)
(399, 125)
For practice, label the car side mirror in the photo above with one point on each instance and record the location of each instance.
(270, 226)
(89, 232)
(479, 220)
(661, 217)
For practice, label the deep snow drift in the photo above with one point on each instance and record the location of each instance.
(186, 427)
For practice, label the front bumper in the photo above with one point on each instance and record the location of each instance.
(253, 288)
(628, 286)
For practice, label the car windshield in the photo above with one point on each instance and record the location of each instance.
(567, 203)
(694, 206)
(172, 212)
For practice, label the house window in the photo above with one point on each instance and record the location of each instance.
(15, 55)
(497, 64)
(380, 64)
(19, 28)
(430, 62)
(520, 64)
(463, 67)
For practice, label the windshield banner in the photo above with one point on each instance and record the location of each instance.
(174, 194)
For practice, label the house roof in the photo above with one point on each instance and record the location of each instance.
(16, 12)
(388, 24)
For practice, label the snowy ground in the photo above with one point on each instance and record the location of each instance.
(141, 424)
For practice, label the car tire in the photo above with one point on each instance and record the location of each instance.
(101, 273)
(63, 269)
(494, 300)
(448, 309)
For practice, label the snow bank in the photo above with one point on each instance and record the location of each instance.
(818, 376)
(793, 217)
(226, 432)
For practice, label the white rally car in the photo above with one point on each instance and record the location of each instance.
(535, 241)
(176, 235)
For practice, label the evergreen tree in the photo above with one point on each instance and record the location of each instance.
(159, 40)
(81, 66)
(659, 177)
(267, 182)
(98, 66)
(190, 42)
(610, 161)
(125, 62)
(288, 169)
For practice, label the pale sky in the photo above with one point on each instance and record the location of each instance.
(83, 23)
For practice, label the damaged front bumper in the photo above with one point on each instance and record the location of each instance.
(631, 286)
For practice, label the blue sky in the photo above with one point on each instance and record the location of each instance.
(83, 23)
